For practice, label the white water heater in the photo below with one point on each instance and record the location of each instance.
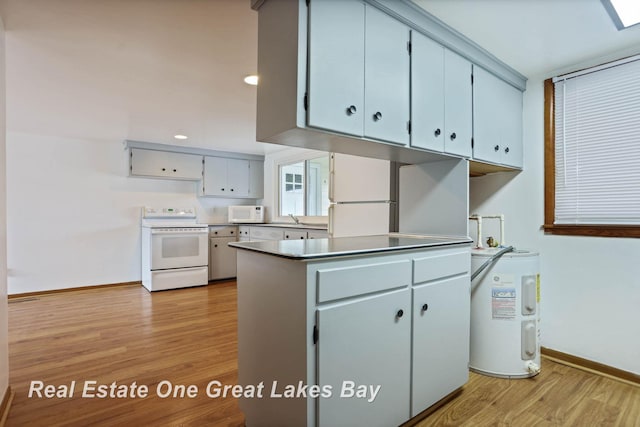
(505, 314)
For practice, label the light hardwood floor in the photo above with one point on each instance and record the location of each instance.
(188, 336)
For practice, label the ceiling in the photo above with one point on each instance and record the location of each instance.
(109, 70)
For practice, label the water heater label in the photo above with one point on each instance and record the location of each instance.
(503, 297)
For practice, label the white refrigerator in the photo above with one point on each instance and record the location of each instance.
(359, 196)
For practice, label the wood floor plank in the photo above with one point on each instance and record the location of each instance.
(188, 336)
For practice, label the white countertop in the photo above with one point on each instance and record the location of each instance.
(331, 247)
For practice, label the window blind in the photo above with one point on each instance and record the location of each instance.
(597, 146)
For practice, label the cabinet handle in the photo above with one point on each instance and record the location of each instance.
(302, 238)
(232, 232)
(377, 116)
(164, 169)
(506, 150)
(437, 132)
(286, 236)
(215, 246)
(400, 313)
(351, 110)
(453, 136)
(496, 148)
(232, 189)
(215, 232)
(175, 170)
(425, 307)
(222, 189)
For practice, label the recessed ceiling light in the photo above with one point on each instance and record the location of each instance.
(179, 136)
(624, 13)
(251, 80)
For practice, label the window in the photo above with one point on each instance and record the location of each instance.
(592, 151)
(304, 187)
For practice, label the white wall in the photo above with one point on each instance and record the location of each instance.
(74, 214)
(590, 286)
(4, 320)
(81, 78)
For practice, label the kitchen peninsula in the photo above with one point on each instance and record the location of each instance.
(349, 331)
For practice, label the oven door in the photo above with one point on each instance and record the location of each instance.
(179, 247)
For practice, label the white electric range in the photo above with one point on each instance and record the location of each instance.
(175, 252)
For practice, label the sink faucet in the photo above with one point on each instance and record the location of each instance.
(296, 220)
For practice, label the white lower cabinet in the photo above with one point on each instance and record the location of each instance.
(387, 333)
(440, 341)
(363, 347)
(222, 258)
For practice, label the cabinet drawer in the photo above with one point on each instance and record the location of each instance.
(224, 231)
(266, 233)
(317, 234)
(294, 234)
(243, 231)
(439, 265)
(336, 283)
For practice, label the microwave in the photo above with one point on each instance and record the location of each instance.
(246, 214)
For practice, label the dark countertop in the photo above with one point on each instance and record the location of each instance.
(332, 247)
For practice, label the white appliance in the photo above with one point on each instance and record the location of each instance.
(175, 249)
(246, 214)
(505, 314)
(359, 196)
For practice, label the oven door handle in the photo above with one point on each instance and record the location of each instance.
(183, 231)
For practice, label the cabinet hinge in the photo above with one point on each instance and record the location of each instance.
(472, 143)
(409, 47)
(409, 127)
(472, 78)
(306, 101)
(315, 334)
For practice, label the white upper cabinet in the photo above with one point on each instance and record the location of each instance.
(340, 76)
(457, 105)
(256, 179)
(386, 78)
(165, 164)
(441, 103)
(427, 93)
(497, 112)
(233, 178)
(358, 71)
(336, 66)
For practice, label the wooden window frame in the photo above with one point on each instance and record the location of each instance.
(596, 230)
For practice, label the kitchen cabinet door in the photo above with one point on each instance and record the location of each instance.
(497, 127)
(256, 179)
(336, 66)
(165, 164)
(440, 356)
(214, 180)
(427, 93)
(381, 357)
(511, 143)
(222, 258)
(224, 177)
(457, 104)
(386, 79)
(238, 177)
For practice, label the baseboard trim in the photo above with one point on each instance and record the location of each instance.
(79, 288)
(5, 405)
(433, 408)
(591, 366)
